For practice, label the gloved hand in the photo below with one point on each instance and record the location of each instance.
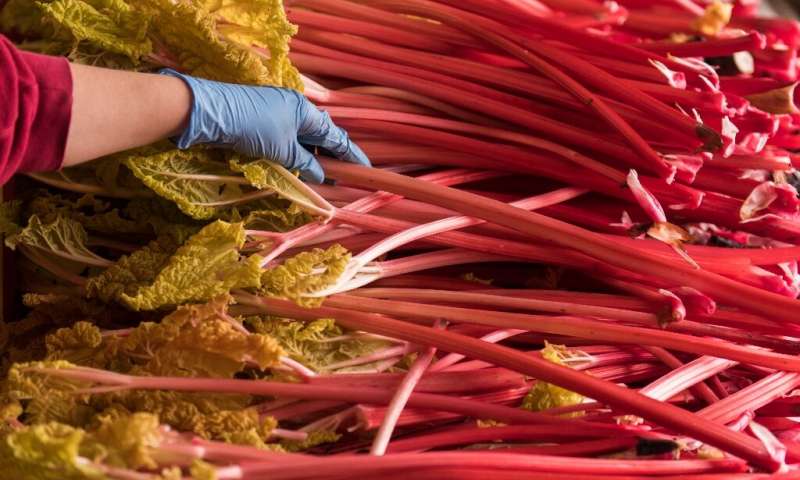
(274, 123)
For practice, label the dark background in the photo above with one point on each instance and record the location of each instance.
(783, 8)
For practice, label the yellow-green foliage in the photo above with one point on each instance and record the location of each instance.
(543, 395)
(306, 272)
(207, 265)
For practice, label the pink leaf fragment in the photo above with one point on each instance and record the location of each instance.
(790, 273)
(709, 75)
(754, 141)
(781, 199)
(687, 166)
(770, 278)
(625, 222)
(675, 79)
(728, 131)
(661, 230)
(645, 199)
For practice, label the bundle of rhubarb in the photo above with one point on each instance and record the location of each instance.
(576, 256)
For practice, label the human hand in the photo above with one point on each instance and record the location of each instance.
(270, 122)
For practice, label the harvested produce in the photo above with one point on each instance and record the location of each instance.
(576, 256)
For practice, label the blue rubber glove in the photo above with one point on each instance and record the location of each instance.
(269, 122)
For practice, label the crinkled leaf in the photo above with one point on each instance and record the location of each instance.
(23, 340)
(314, 439)
(94, 214)
(266, 175)
(63, 237)
(107, 25)
(163, 218)
(131, 272)
(126, 441)
(715, 18)
(306, 272)
(201, 341)
(194, 340)
(102, 177)
(50, 451)
(316, 344)
(76, 344)
(57, 451)
(236, 426)
(104, 33)
(232, 41)
(207, 265)
(61, 309)
(543, 395)
(259, 24)
(204, 187)
(171, 473)
(46, 398)
(196, 180)
(10, 217)
(225, 418)
(200, 470)
(268, 214)
(218, 39)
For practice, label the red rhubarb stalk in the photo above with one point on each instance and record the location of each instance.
(466, 435)
(573, 326)
(560, 233)
(502, 111)
(752, 397)
(532, 52)
(351, 466)
(621, 398)
(400, 398)
(699, 390)
(496, 133)
(119, 382)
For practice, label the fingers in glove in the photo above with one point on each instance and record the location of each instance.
(303, 160)
(319, 130)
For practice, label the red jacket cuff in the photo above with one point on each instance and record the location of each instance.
(48, 137)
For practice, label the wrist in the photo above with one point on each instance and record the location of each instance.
(183, 100)
(204, 122)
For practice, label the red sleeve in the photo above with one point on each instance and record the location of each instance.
(36, 95)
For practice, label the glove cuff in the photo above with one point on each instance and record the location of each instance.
(204, 120)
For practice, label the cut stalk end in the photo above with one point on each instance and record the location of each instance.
(712, 140)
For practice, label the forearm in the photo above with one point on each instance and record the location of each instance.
(114, 110)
